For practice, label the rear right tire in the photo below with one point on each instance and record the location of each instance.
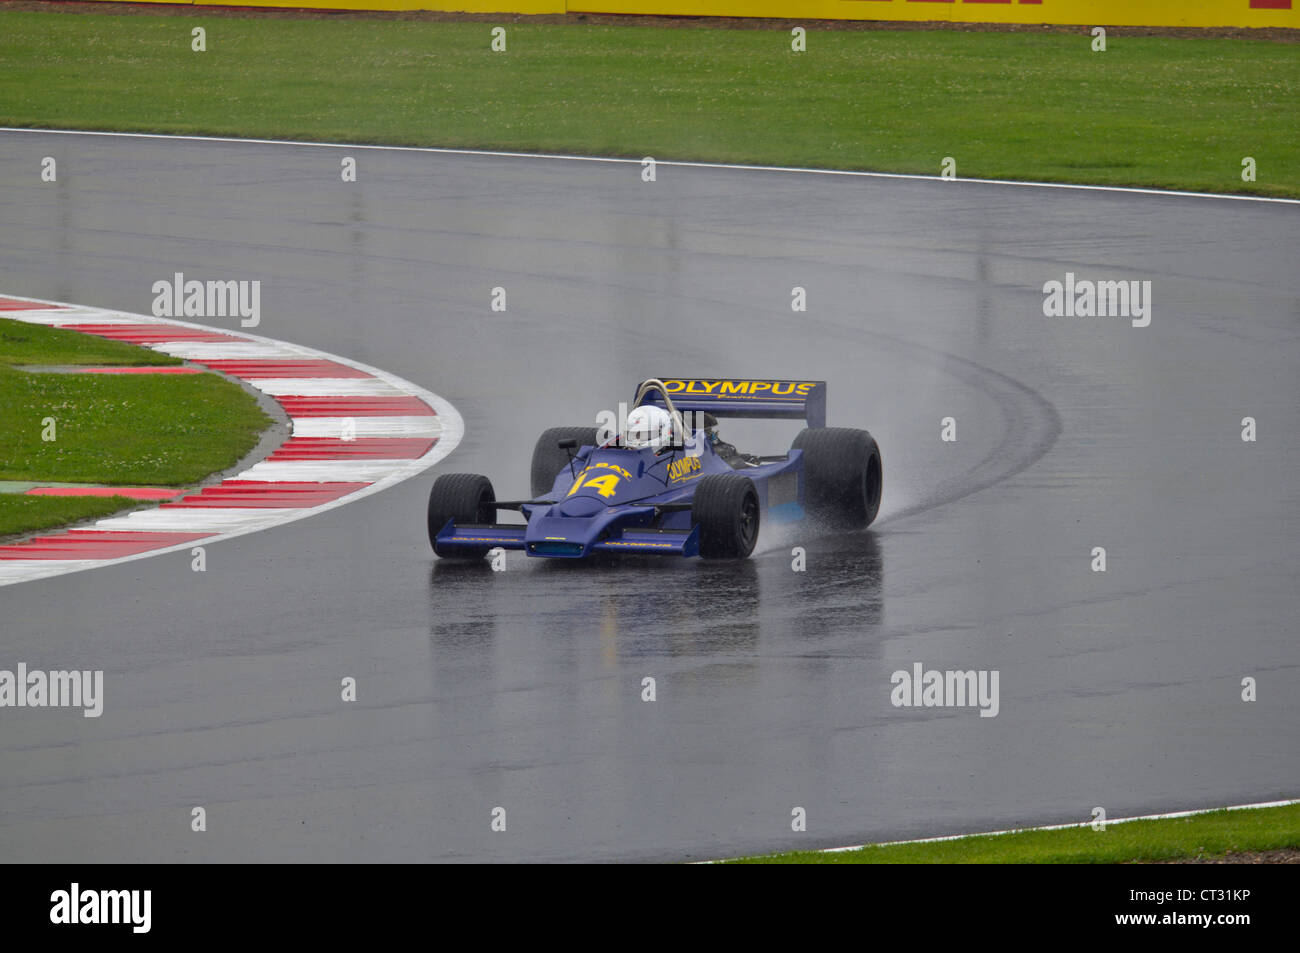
(843, 478)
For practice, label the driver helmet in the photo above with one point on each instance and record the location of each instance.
(649, 426)
(711, 428)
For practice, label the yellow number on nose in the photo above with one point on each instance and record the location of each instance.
(605, 484)
(577, 483)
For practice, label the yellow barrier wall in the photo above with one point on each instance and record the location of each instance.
(458, 6)
(1256, 13)
(1239, 13)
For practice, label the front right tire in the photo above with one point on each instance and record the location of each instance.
(465, 498)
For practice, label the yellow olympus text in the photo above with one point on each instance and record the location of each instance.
(682, 468)
(719, 388)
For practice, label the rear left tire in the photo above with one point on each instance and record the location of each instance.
(549, 459)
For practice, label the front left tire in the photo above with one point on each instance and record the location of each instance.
(726, 509)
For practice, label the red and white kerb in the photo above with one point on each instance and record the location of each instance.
(355, 430)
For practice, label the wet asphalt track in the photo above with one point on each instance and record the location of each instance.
(522, 689)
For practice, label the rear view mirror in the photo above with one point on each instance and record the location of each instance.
(568, 444)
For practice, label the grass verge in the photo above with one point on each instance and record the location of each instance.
(108, 429)
(26, 514)
(23, 343)
(1185, 838)
(1150, 111)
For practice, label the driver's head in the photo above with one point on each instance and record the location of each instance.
(711, 427)
(649, 426)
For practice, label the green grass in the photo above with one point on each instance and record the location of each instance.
(1179, 838)
(22, 343)
(1151, 111)
(163, 430)
(109, 429)
(25, 514)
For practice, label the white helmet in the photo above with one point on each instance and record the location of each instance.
(649, 426)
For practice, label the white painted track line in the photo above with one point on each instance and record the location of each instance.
(220, 351)
(76, 316)
(21, 570)
(1048, 827)
(208, 519)
(659, 162)
(320, 471)
(324, 387)
(367, 426)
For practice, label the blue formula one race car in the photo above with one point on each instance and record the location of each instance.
(664, 483)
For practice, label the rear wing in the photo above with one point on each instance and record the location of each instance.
(793, 400)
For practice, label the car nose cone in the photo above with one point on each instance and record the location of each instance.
(581, 506)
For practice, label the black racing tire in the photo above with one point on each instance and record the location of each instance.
(843, 477)
(549, 459)
(465, 498)
(726, 509)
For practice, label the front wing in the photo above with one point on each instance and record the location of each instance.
(639, 539)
